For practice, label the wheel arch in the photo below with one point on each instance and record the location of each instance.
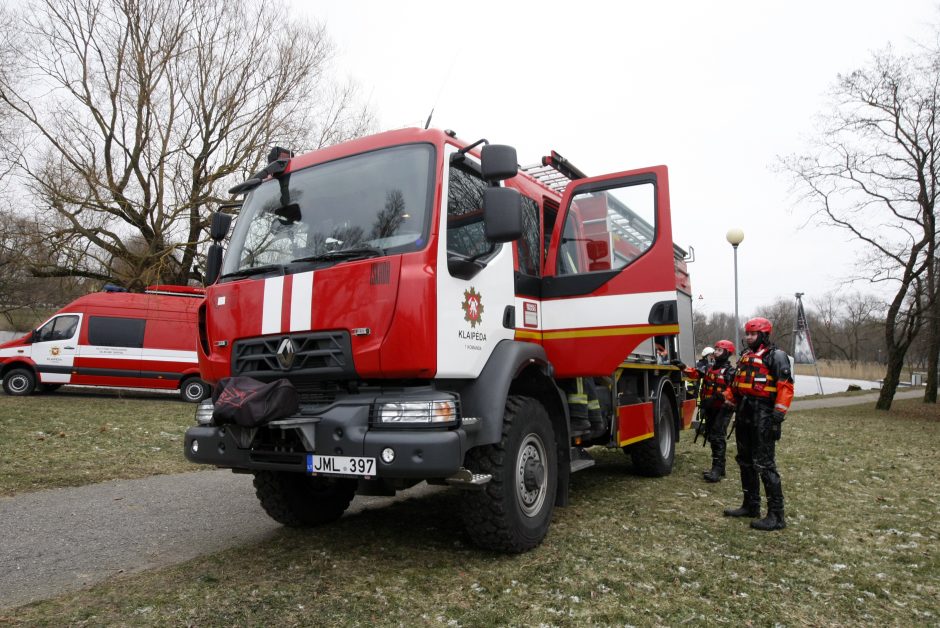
(518, 368)
(19, 363)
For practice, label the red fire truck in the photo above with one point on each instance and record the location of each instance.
(112, 338)
(446, 317)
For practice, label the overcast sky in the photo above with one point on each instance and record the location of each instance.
(714, 90)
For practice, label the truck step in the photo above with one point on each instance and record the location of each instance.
(580, 459)
(464, 478)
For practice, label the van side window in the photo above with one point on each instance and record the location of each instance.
(465, 234)
(59, 328)
(108, 331)
(528, 246)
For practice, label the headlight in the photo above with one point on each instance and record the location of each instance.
(429, 413)
(204, 412)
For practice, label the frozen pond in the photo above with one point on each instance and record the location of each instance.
(806, 385)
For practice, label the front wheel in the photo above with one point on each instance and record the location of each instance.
(655, 456)
(299, 500)
(19, 382)
(194, 390)
(513, 511)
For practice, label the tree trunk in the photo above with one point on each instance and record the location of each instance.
(933, 355)
(892, 376)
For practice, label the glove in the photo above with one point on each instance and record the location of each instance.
(776, 424)
(678, 363)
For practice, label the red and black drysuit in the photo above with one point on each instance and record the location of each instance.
(762, 390)
(716, 379)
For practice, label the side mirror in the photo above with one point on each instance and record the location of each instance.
(498, 162)
(502, 214)
(213, 264)
(219, 226)
(34, 336)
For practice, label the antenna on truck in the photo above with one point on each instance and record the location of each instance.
(440, 91)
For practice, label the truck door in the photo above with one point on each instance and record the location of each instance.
(474, 276)
(609, 279)
(55, 348)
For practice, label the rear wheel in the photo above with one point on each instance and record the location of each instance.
(19, 382)
(513, 511)
(299, 501)
(655, 456)
(194, 390)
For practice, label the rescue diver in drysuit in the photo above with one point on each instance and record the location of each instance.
(717, 376)
(761, 390)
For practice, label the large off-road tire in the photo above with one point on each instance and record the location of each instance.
(299, 500)
(513, 511)
(655, 456)
(194, 390)
(19, 382)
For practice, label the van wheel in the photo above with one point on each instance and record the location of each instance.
(19, 382)
(513, 511)
(194, 390)
(298, 500)
(655, 456)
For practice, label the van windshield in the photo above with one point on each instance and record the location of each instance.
(375, 203)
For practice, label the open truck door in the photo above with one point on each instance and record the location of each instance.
(609, 283)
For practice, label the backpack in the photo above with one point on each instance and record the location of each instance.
(247, 402)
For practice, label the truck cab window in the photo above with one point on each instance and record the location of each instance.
(59, 328)
(465, 232)
(606, 229)
(528, 246)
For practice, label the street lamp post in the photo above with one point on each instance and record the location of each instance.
(735, 237)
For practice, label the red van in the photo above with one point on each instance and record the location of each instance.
(112, 338)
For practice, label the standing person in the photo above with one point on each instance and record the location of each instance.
(702, 367)
(716, 375)
(761, 390)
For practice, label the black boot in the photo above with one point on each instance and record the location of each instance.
(747, 509)
(773, 521)
(715, 474)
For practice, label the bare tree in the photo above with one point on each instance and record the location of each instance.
(873, 172)
(143, 112)
(24, 299)
(842, 325)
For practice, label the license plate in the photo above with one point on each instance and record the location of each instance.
(340, 465)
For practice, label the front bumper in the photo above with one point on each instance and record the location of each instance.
(341, 430)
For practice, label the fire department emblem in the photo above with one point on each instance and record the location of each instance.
(54, 351)
(472, 307)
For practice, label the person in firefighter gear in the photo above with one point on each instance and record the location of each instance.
(716, 378)
(761, 391)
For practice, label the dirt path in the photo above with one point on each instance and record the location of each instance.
(56, 541)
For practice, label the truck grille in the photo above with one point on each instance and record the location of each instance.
(317, 355)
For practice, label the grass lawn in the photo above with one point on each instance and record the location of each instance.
(861, 547)
(73, 438)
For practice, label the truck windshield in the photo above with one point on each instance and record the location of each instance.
(371, 204)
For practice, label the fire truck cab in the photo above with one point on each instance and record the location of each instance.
(446, 317)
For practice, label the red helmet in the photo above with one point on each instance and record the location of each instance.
(727, 345)
(758, 324)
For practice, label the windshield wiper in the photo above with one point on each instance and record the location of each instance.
(254, 270)
(344, 254)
